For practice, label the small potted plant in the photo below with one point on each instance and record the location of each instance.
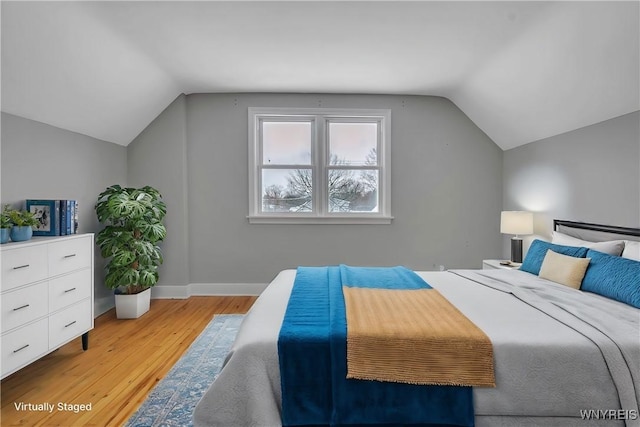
(133, 218)
(5, 224)
(22, 224)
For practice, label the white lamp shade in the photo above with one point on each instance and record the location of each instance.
(516, 222)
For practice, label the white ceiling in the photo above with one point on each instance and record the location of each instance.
(522, 71)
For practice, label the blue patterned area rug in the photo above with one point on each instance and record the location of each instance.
(174, 398)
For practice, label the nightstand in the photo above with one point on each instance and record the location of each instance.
(489, 264)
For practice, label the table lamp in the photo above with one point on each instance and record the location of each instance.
(517, 223)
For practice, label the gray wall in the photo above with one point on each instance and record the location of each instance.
(446, 188)
(590, 174)
(157, 157)
(44, 162)
(446, 193)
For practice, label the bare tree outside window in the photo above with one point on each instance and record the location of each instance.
(349, 189)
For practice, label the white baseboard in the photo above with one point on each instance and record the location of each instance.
(170, 292)
(207, 289)
(231, 289)
(102, 305)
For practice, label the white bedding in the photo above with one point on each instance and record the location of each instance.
(547, 369)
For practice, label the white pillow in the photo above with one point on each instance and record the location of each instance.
(564, 269)
(631, 250)
(613, 247)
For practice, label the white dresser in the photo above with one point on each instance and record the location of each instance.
(47, 296)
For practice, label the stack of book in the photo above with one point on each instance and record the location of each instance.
(55, 217)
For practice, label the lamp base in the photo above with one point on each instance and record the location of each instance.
(516, 249)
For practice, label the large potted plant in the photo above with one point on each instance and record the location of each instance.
(129, 241)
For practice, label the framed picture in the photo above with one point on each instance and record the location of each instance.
(47, 212)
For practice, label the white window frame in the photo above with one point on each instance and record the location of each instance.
(320, 119)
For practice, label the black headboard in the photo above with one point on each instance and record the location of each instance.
(612, 229)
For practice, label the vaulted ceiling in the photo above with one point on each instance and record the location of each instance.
(522, 71)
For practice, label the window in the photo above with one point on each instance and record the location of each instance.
(319, 166)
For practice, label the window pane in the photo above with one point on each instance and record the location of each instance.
(286, 143)
(287, 190)
(353, 144)
(353, 190)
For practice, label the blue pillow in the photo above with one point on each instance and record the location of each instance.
(613, 277)
(538, 250)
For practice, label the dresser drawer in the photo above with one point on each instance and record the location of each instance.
(24, 345)
(69, 255)
(24, 305)
(69, 323)
(23, 265)
(69, 289)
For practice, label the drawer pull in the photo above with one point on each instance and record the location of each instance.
(69, 290)
(21, 266)
(66, 326)
(70, 256)
(21, 348)
(20, 308)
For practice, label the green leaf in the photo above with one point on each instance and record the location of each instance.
(148, 277)
(123, 258)
(152, 230)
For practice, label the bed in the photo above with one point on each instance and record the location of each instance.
(563, 357)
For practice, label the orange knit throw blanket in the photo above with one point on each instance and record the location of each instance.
(414, 336)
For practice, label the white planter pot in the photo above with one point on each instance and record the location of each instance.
(132, 306)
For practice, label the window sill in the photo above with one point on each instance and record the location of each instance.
(319, 220)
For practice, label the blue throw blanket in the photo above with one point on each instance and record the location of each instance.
(312, 350)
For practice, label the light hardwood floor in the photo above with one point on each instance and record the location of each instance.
(125, 360)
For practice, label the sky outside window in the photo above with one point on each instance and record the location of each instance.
(286, 143)
(351, 144)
